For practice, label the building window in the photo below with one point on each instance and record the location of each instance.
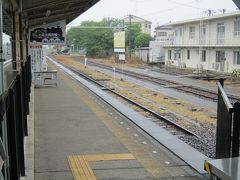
(180, 32)
(236, 57)
(149, 26)
(192, 32)
(162, 34)
(203, 55)
(188, 54)
(220, 56)
(237, 28)
(146, 25)
(220, 33)
(202, 30)
(169, 55)
(176, 32)
(177, 55)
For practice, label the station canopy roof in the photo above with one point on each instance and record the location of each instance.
(38, 12)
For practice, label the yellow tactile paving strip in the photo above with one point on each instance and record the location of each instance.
(81, 169)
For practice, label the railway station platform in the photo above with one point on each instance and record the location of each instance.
(79, 136)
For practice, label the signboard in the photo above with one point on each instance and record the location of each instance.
(122, 57)
(119, 41)
(49, 34)
(38, 57)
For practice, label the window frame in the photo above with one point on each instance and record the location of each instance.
(162, 34)
(188, 54)
(169, 54)
(204, 56)
(221, 54)
(219, 33)
(192, 32)
(236, 28)
(236, 61)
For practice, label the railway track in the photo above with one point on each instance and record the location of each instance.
(197, 91)
(167, 123)
(200, 137)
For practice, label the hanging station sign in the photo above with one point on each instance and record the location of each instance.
(49, 34)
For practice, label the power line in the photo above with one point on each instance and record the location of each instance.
(170, 9)
(185, 4)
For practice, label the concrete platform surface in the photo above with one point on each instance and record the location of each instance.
(78, 136)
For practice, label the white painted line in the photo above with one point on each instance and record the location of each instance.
(144, 142)
(166, 162)
(115, 117)
(154, 152)
(135, 135)
(128, 128)
(111, 113)
(121, 122)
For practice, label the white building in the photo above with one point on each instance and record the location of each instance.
(145, 25)
(212, 43)
(163, 35)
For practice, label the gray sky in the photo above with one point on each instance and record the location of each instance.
(157, 11)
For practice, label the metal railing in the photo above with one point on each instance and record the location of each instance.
(229, 39)
(14, 106)
(228, 125)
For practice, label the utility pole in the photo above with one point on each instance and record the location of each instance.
(129, 43)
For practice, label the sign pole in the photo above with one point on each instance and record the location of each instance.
(114, 69)
(85, 62)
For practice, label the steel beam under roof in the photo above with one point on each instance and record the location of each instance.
(38, 12)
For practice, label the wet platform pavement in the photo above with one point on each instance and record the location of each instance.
(78, 136)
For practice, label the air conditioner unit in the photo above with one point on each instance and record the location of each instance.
(168, 62)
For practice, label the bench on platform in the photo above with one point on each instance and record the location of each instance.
(225, 169)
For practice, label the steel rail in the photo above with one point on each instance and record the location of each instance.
(157, 115)
(188, 89)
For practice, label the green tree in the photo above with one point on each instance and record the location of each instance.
(142, 40)
(90, 36)
(132, 31)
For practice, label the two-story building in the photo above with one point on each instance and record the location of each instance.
(162, 35)
(145, 25)
(210, 43)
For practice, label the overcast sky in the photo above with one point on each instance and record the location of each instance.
(157, 11)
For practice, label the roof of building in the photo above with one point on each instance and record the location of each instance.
(126, 19)
(38, 12)
(219, 16)
(163, 27)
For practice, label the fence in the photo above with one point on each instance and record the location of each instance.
(14, 106)
(228, 125)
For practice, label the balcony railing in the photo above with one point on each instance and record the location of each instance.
(231, 39)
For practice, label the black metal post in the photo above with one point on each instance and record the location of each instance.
(224, 124)
(236, 130)
(19, 111)
(13, 138)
